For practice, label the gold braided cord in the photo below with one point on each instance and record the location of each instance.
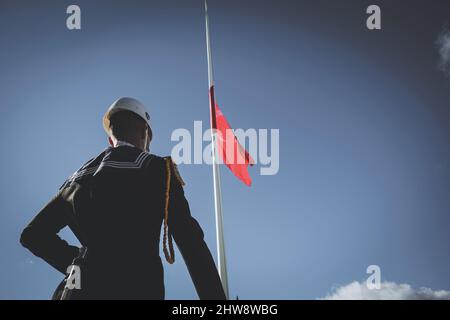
(169, 257)
(177, 174)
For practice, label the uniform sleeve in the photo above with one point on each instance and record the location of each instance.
(40, 236)
(189, 238)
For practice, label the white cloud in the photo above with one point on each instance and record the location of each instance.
(387, 291)
(443, 43)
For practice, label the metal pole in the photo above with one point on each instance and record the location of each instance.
(216, 173)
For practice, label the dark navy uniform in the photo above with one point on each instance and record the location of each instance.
(116, 204)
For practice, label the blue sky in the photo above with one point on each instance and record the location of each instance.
(364, 120)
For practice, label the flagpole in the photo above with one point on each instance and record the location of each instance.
(216, 173)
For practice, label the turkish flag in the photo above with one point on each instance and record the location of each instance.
(235, 157)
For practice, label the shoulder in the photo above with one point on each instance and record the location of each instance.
(161, 161)
(78, 173)
(86, 169)
(166, 165)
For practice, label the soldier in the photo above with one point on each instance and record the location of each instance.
(115, 204)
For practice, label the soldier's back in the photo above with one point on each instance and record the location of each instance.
(118, 201)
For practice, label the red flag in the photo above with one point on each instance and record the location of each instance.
(235, 157)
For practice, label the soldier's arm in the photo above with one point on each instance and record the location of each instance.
(40, 236)
(189, 238)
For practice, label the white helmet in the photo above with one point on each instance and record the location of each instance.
(128, 104)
